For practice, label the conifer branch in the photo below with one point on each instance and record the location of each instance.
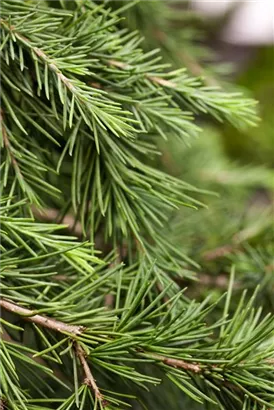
(84, 108)
(177, 363)
(40, 54)
(89, 379)
(41, 320)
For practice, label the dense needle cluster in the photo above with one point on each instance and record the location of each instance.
(94, 314)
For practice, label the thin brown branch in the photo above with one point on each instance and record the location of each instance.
(162, 81)
(41, 320)
(181, 364)
(89, 379)
(178, 363)
(63, 278)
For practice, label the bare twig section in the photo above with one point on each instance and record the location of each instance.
(109, 300)
(118, 64)
(41, 320)
(182, 364)
(178, 363)
(162, 81)
(64, 278)
(89, 379)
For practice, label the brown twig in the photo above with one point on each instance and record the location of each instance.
(89, 379)
(178, 363)
(41, 320)
(61, 327)
(181, 364)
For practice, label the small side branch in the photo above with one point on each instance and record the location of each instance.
(193, 367)
(178, 363)
(41, 320)
(89, 379)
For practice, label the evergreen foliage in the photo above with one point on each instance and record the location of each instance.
(101, 233)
